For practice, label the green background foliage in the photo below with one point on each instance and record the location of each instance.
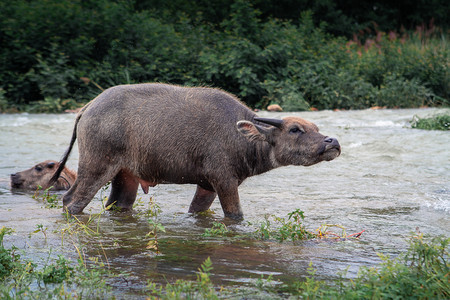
(59, 54)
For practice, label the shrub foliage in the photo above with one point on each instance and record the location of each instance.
(58, 54)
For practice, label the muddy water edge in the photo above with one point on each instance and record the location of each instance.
(390, 181)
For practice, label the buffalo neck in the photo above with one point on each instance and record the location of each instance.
(259, 158)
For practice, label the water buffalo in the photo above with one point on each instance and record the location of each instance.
(40, 175)
(158, 133)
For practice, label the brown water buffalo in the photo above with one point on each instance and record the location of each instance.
(40, 175)
(158, 133)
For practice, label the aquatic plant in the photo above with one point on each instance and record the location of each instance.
(155, 229)
(76, 225)
(438, 122)
(202, 288)
(291, 228)
(8, 258)
(218, 229)
(152, 213)
(153, 209)
(22, 279)
(39, 228)
(422, 272)
(324, 232)
(57, 272)
(50, 200)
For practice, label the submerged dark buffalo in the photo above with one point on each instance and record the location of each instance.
(157, 133)
(40, 175)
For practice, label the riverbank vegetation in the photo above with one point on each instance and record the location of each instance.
(58, 55)
(438, 122)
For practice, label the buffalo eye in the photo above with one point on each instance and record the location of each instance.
(296, 130)
(38, 168)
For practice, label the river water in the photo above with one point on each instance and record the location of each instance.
(390, 181)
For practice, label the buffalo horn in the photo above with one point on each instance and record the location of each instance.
(274, 122)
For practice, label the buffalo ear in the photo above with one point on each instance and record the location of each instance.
(252, 131)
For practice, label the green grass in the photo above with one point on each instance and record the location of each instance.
(438, 122)
(63, 279)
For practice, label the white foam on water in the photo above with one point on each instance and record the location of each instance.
(440, 201)
(15, 121)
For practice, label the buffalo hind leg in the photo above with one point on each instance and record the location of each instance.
(202, 200)
(124, 188)
(84, 188)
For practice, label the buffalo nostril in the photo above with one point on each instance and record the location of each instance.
(332, 142)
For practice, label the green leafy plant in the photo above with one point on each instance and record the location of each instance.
(50, 200)
(53, 105)
(291, 228)
(155, 229)
(217, 229)
(421, 272)
(40, 228)
(151, 209)
(58, 272)
(248, 48)
(75, 226)
(438, 122)
(8, 257)
(202, 288)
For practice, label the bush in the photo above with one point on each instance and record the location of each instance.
(49, 45)
(439, 122)
(8, 259)
(400, 92)
(414, 65)
(420, 273)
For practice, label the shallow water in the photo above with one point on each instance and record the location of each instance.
(390, 180)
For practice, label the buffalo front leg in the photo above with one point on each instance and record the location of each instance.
(202, 200)
(229, 200)
(124, 188)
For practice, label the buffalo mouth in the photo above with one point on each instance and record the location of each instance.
(16, 182)
(331, 152)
